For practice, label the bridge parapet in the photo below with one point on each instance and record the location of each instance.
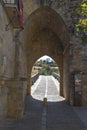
(56, 76)
(34, 78)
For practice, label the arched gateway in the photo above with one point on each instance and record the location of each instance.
(46, 32)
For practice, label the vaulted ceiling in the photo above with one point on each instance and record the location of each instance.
(31, 5)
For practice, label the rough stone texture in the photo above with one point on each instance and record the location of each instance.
(7, 47)
(62, 7)
(45, 35)
(6, 59)
(7, 70)
(20, 69)
(48, 30)
(74, 52)
(15, 97)
(55, 115)
(3, 99)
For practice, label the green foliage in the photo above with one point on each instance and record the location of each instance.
(47, 69)
(81, 11)
(81, 24)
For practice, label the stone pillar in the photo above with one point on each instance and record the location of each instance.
(15, 97)
(84, 78)
(3, 99)
(29, 85)
(84, 89)
(59, 61)
(72, 90)
(66, 76)
(61, 81)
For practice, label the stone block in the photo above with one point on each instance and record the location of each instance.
(3, 99)
(15, 98)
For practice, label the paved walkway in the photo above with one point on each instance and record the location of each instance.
(56, 115)
(60, 116)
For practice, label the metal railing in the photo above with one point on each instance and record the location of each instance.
(56, 76)
(34, 78)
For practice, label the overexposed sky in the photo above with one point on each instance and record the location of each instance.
(45, 57)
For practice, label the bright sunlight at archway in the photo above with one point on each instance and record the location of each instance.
(46, 58)
(45, 79)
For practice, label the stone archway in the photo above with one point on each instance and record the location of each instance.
(46, 33)
(59, 63)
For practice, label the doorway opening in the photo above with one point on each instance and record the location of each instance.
(45, 79)
(78, 88)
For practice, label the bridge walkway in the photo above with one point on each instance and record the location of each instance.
(55, 115)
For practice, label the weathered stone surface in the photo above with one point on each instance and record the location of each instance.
(7, 46)
(15, 97)
(47, 31)
(3, 99)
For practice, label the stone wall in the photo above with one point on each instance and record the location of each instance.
(7, 46)
(74, 60)
(3, 99)
(46, 32)
(12, 88)
(78, 63)
(15, 97)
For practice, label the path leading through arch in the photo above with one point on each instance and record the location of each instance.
(53, 116)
